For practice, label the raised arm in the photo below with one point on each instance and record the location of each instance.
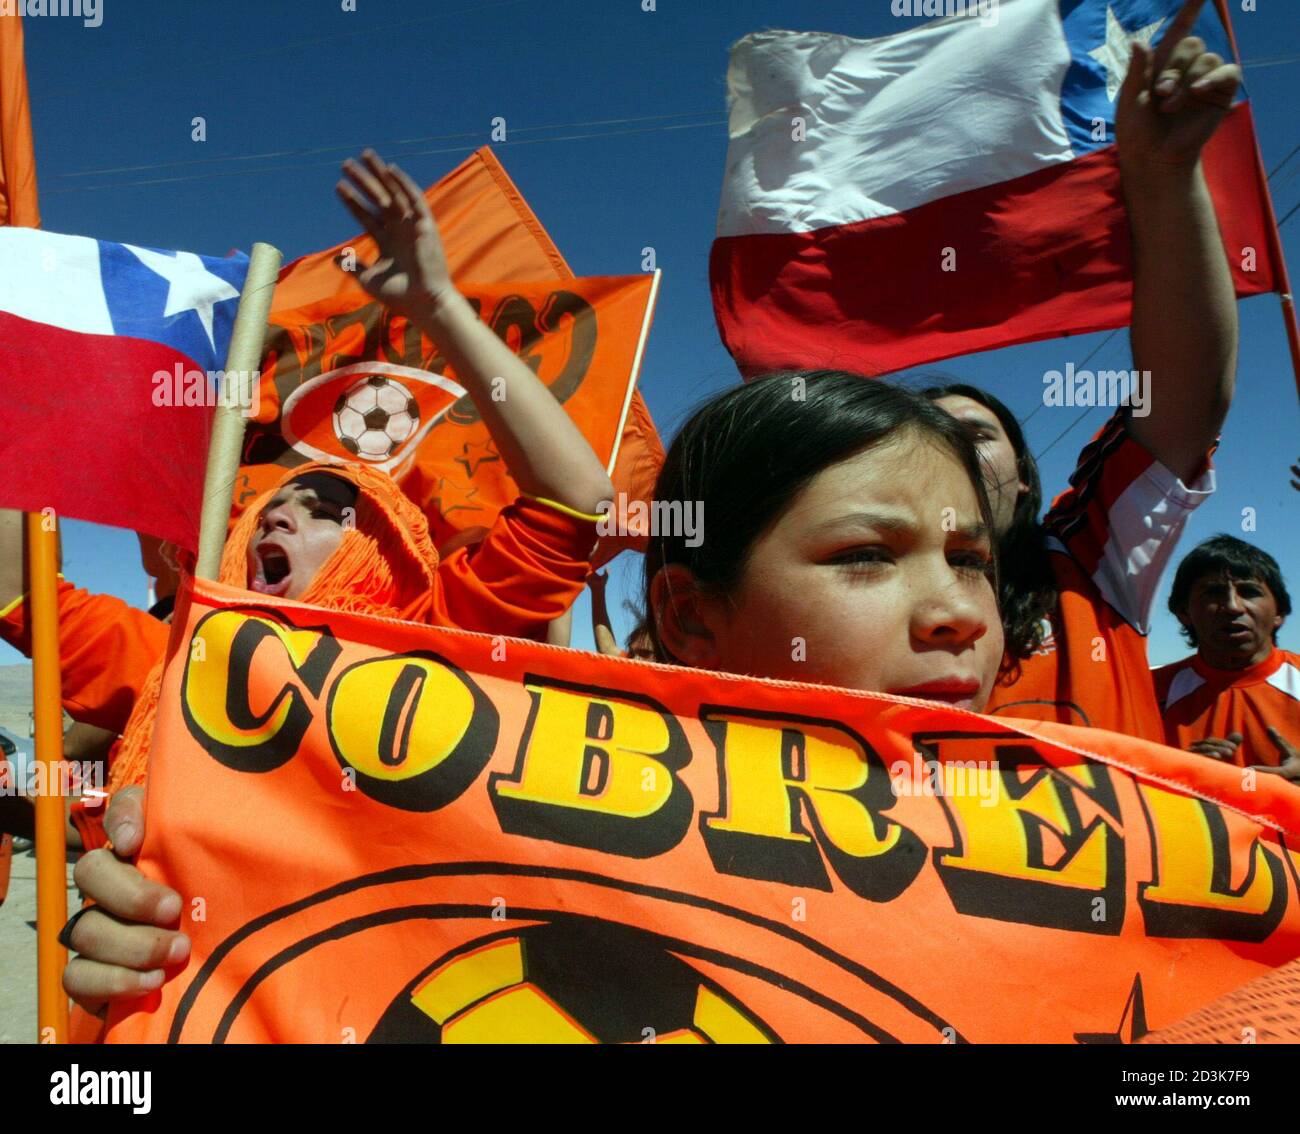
(545, 452)
(1184, 306)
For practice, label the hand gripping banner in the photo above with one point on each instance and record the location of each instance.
(387, 832)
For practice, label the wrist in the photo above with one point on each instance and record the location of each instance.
(441, 310)
(1150, 177)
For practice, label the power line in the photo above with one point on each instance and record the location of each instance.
(1084, 363)
(213, 174)
(354, 147)
(1295, 150)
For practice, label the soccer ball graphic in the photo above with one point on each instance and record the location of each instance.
(374, 416)
(581, 981)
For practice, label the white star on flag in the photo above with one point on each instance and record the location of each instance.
(190, 286)
(1115, 53)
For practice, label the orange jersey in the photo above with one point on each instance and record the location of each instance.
(1110, 536)
(106, 650)
(1199, 702)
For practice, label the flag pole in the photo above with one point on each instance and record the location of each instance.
(51, 844)
(237, 387)
(1270, 215)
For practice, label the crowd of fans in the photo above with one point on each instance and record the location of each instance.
(896, 532)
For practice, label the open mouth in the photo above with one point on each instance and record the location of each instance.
(272, 571)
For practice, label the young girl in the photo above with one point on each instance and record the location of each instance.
(847, 541)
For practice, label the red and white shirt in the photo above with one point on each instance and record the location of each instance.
(1110, 536)
(1199, 701)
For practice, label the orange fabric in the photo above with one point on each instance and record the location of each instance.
(1110, 536)
(17, 158)
(410, 833)
(1218, 702)
(106, 650)
(580, 335)
(1094, 673)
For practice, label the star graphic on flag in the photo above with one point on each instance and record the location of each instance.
(474, 453)
(453, 496)
(190, 286)
(1114, 54)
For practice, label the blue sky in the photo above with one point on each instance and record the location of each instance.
(616, 135)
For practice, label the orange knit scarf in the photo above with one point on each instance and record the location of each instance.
(385, 564)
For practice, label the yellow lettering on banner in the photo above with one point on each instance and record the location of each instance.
(1026, 853)
(596, 768)
(416, 729)
(216, 699)
(774, 769)
(1205, 883)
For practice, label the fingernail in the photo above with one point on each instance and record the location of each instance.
(124, 832)
(178, 950)
(169, 907)
(1164, 86)
(152, 979)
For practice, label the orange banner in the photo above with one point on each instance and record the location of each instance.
(384, 832)
(18, 204)
(328, 341)
(353, 382)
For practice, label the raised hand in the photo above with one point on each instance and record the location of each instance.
(410, 275)
(1173, 98)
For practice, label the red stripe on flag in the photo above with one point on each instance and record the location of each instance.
(1044, 255)
(84, 437)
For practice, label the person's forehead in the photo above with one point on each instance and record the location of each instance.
(1224, 576)
(908, 477)
(969, 412)
(317, 486)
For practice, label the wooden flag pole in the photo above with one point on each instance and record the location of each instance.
(51, 845)
(237, 388)
(1270, 216)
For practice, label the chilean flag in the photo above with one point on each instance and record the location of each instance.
(107, 353)
(949, 189)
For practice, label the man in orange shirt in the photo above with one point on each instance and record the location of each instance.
(1238, 697)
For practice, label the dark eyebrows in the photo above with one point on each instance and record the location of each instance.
(877, 521)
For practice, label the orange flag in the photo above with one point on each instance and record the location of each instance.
(17, 206)
(329, 343)
(386, 831)
(17, 158)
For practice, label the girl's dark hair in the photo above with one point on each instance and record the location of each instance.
(747, 453)
(1027, 591)
(1226, 555)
